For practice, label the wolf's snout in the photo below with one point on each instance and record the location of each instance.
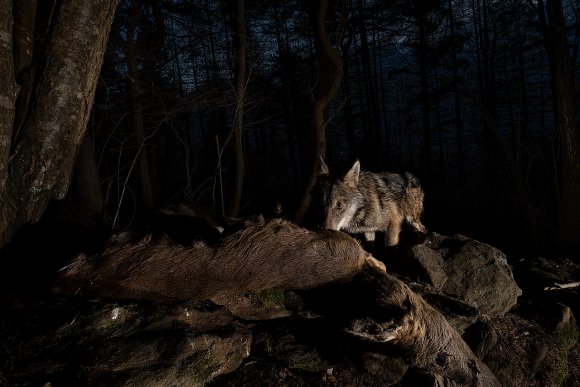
(422, 229)
(329, 224)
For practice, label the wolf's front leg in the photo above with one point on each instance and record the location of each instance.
(392, 234)
(369, 242)
(369, 236)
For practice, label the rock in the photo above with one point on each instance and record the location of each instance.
(97, 343)
(282, 344)
(199, 316)
(383, 369)
(167, 361)
(574, 370)
(527, 353)
(471, 271)
(416, 376)
(283, 355)
(307, 358)
(459, 314)
(263, 305)
(480, 337)
(549, 280)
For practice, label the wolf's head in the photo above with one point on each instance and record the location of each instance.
(414, 202)
(342, 198)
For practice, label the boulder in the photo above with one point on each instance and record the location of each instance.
(130, 344)
(471, 271)
(458, 313)
(261, 305)
(528, 353)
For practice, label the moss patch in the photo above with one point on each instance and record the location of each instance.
(271, 297)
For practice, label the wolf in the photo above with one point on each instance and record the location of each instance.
(367, 202)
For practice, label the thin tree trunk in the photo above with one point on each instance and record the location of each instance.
(348, 122)
(425, 103)
(143, 171)
(439, 128)
(363, 111)
(325, 90)
(523, 93)
(486, 75)
(87, 183)
(43, 155)
(240, 54)
(385, 110)
(554, 29)
(457, 100)
(368, 90)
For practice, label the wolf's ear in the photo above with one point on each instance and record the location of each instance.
(351, 177)
(322, 168)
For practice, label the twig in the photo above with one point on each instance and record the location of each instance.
(219, 166)
(563, 286)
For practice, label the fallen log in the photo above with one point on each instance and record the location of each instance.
(264, 255)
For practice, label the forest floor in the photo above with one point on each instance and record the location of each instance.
(284, 352)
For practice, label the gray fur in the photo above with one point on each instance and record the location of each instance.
(367, 202)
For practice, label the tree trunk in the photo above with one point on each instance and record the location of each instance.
(325, 90)
(486, 73)
(87, 184)
(348, 113)
(457, 99)
(43, 155)
(554, 29)
(24, 26)
(143, 170)
(240, 48)
(367, 94)
(425, 103)
(8, 93)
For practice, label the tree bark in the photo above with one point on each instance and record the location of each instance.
(240, 48)
(43, 155)
(327, 85)
(24, 26)
(555, 37)
(24, 18)
(8, 94)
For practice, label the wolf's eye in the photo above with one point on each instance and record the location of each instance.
(338, 205)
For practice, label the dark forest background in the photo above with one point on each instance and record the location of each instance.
(461, 93)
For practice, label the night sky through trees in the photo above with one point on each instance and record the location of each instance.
(456, 92)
